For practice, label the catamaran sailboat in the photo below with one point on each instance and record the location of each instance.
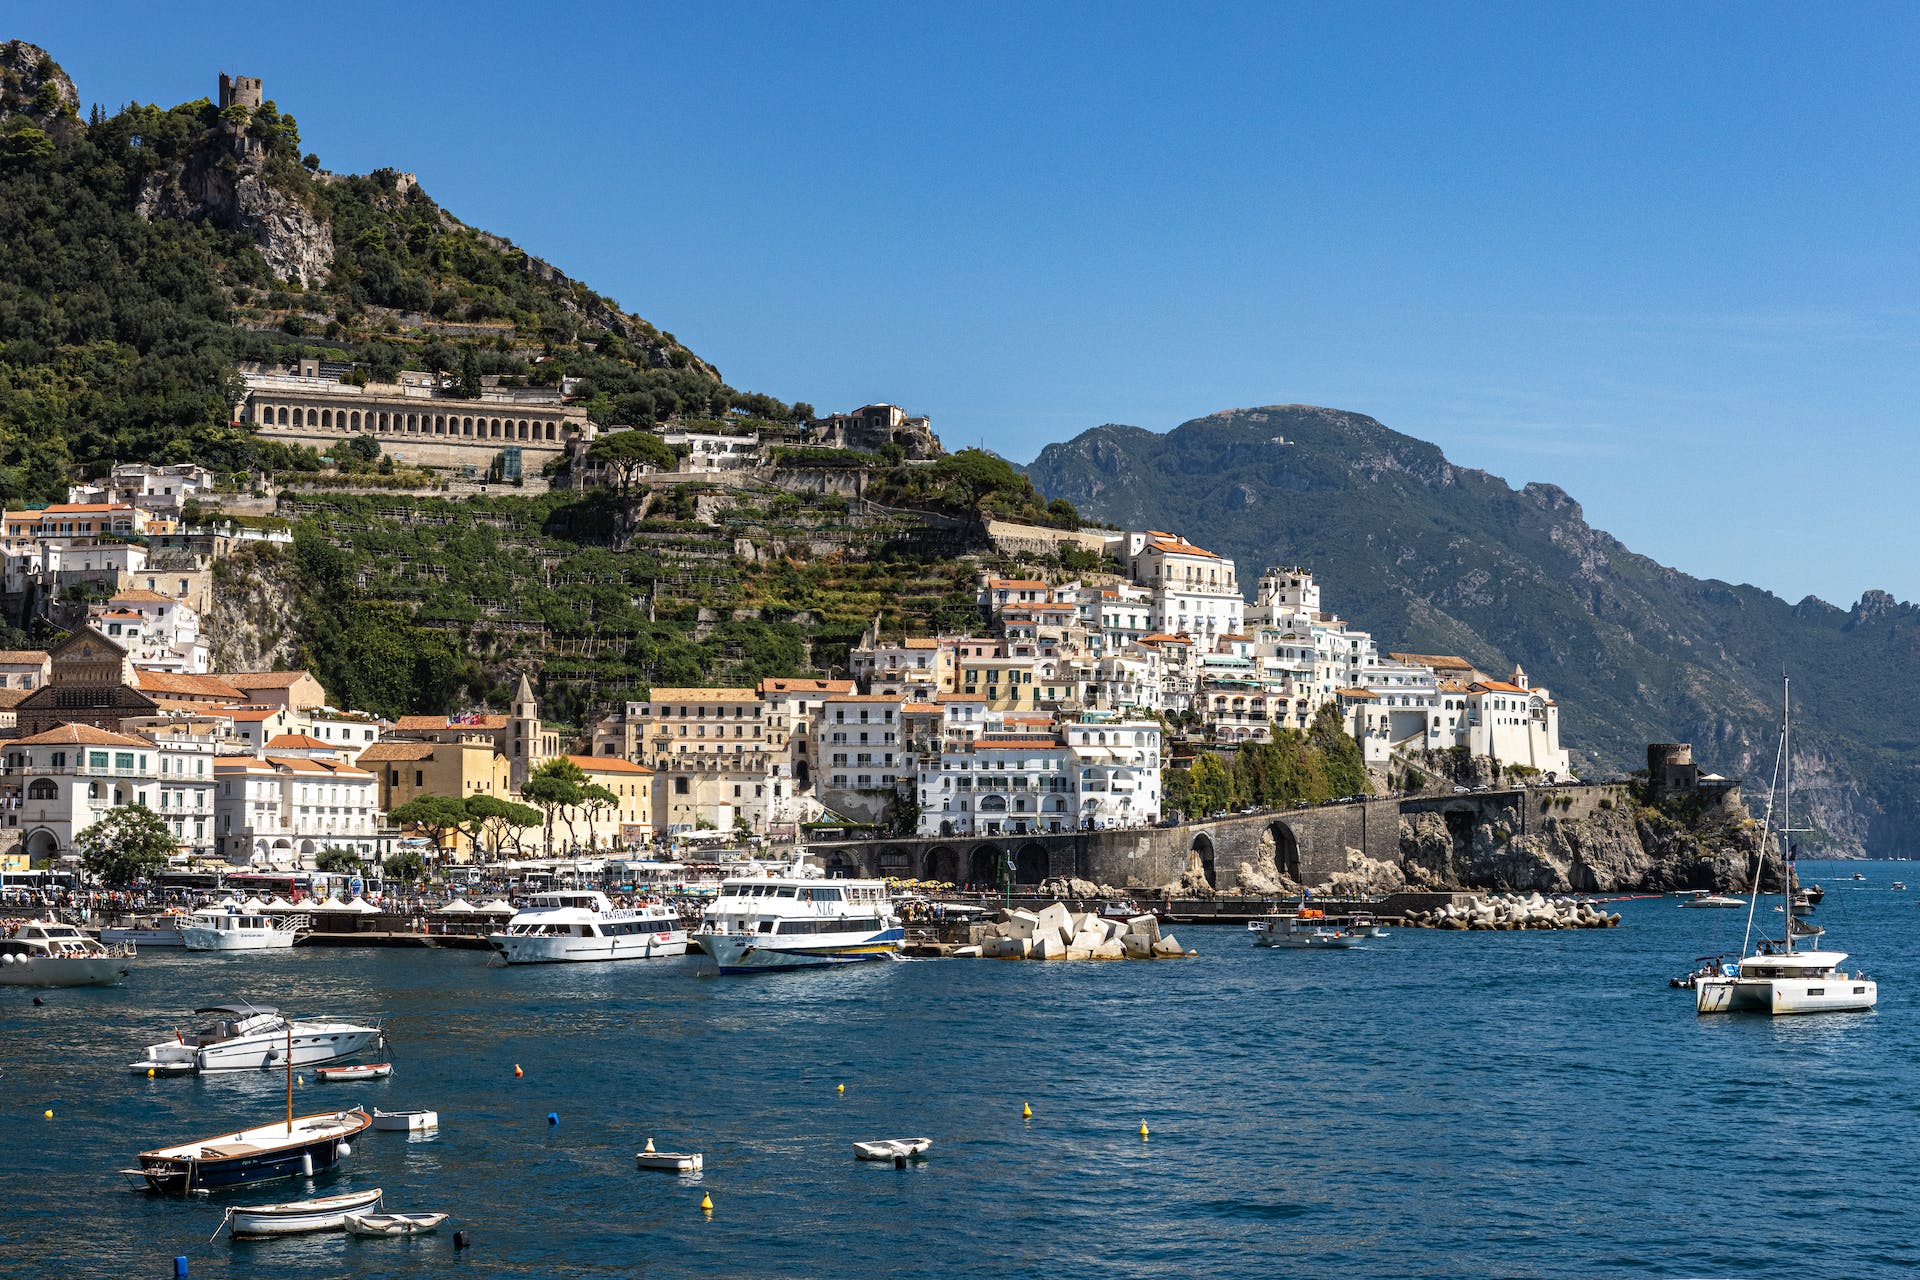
(1777, 979)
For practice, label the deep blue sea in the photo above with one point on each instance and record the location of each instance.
(1532, 1104)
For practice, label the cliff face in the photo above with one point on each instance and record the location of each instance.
(34, 89)
(256, 604)
(224, 183)
(1623, 849)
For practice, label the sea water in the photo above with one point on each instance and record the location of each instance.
(1433, 1104)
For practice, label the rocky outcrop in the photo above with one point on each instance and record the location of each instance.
(256, 602)
(1364, 877)
(34, 90)
(1621, 849)
(223, 184)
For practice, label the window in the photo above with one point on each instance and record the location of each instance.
(123, 760)
(95, 760)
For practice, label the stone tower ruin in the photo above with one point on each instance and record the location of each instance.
(239, 91)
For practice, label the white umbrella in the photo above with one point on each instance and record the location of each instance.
(458, 907)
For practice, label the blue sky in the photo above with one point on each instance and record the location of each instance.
(1663, 256)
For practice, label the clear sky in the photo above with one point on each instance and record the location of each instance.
(1661, 255)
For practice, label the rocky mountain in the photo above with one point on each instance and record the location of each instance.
(1437, 558)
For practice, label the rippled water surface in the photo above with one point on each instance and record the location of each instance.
(1433, 1105)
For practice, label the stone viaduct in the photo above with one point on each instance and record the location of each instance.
(1307, 845)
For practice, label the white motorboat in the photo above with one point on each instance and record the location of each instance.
(1776, 979)
(584, 925)
(149, 931)
(1308, 929)
(795, 922)
(1710, 901)
(405, 1121)
(229, 929)
(298, 1217)
(46, 953)
(891, 1148)
(394, 1224)
(247, 1037)
(670, 1161)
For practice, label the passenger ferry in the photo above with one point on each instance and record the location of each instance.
(584, 925)
(230, 929)
(788, 922)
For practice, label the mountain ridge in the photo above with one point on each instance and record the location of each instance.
(1433, 556)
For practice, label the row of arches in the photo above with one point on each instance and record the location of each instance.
(980, 864)
(422, 424)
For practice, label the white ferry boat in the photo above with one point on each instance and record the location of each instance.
(46, 953)
(160, 930)
(226, 929)
(583, 925)
(1310, 929)
(795, 923)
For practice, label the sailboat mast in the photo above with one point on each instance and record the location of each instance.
(1786, 806)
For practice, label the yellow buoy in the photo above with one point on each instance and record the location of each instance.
(1026, 1112)
(840, 1088)
(149, 1073)
(48, 1114)
(706, 1203)
(649, 1150)
(1143, 1130)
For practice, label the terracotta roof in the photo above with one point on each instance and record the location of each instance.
(11, 697)
(264, 679)
(340, 767)
(1499, 686)
(188, 686)
(299, 742)
(12, 656)
(1175, 545)
(1356, 693)
(1450, 686)
(1014, 742)
(80, 735)
(482, 720)
(1438, 661)
(864, 697)
(921, 708)
(704, 695)
(1161, 637)
(608, 764)
(398, 751)
(773, 685)
(121, 613)
(919, 642)
(996, 584)
(240, 764)
(140, 595)
(252, 715)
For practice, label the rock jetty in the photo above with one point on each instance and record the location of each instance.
(1512, 911)
(1055, 933)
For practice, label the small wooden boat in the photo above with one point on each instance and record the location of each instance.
(356, 1071)
(294, 1148)
(890, 1148)
(671, 1161)
(393, 1224)
(297, 1217)
(405, 1121)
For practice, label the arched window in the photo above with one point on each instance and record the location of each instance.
(326, 419)
(43, 789)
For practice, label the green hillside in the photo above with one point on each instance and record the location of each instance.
(1431, 557)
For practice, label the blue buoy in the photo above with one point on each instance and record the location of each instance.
(553, 1117)
(179, 1269)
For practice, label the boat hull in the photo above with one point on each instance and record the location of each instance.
(1780, 996)
(253, 1156)
(195, 938)
(394, 1224)
(63, 971)
(764, 953)
(670, 1161)
(405, 1121)
(258, 1222)
(148, 938)
(533, 949)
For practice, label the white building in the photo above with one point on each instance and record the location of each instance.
(299, 796)
(73, 776)
(859, 742)
(1116, 781)
(715, 452)
(159, 487)
(1194, 590)
(158, 632)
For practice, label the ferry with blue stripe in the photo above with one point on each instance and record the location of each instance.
(796, 922)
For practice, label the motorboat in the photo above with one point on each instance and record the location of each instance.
(250, 1037)
(1776, 979)
(356, 1071)
(47, 953)
(230, 929)
(161, 929)
(292, 1148)
(1705, 967)
(795, 922)
(393, 1224)
(299, 1217)
(890, 1149)
(584, 925)
(1367, 926)
(405, 1121)
(1710, 901)
(670, 1161)
(1308, 929)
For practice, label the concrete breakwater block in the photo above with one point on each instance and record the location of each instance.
(1509, 912)
(1055, 933)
